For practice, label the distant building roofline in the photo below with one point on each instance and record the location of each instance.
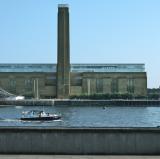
(107, 64)
(88, 67)
(73, 64)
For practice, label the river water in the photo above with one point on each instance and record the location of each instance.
(85, 116)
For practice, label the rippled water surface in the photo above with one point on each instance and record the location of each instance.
(91, 116)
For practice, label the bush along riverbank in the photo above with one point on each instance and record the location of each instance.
(115, 96)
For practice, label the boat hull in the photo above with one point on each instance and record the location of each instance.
(40, 118)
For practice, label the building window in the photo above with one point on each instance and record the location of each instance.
(114, 86)
(12, 85)
(130, 86)
(28, 84)
(99, 85)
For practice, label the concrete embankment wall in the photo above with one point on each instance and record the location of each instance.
(56, 102)
(28, 102)
(79, 140)
(107, 102)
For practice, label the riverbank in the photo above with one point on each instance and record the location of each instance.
(80, 102)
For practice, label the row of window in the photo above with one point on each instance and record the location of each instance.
(29, 85)
(12, 84)
(114, 86)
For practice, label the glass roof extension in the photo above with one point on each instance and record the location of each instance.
(27, 67)
(74, 68)
(108, 68)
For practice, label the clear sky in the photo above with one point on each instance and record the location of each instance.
(101, 31)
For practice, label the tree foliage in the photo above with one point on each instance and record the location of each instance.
(153, 96)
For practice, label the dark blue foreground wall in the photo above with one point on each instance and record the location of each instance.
(79, 140)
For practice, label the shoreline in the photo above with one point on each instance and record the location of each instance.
(80, 102)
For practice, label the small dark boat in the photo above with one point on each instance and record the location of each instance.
(35, 115)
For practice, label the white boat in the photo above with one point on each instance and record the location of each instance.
(15, 98)
(38, 116)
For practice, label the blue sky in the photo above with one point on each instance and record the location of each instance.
(101, 31)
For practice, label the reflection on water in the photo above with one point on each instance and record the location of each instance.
(91, 116)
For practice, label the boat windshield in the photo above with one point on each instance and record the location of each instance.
(34, 113)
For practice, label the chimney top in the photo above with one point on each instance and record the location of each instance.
(63, 5)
